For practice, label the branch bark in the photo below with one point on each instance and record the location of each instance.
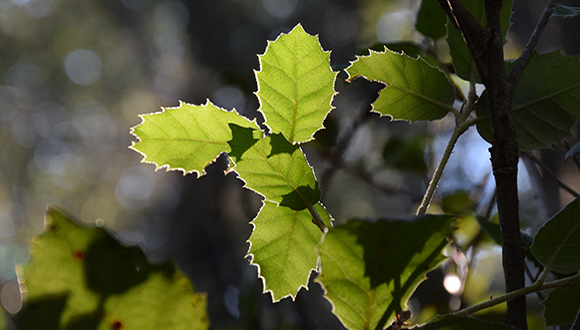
(486, 48)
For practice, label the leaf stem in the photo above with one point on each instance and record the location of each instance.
(539, 285)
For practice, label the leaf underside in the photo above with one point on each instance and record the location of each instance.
(545, 101)
(556, 243)
(81, 278)
(295, 85)
(369, 270)
(415, 91)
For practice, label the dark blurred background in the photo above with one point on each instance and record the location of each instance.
(75, 75)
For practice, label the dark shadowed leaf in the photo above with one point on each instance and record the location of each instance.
(545, 104)
(81, 278)
(556, 243)
(431, 20)
(462, 60)
(562, 305)
(369, 270)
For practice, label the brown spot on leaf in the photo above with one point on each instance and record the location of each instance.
(117, 325)
(78, 255)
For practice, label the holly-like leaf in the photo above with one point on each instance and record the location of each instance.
(186, 138)
(462, 60)
(369, 270)
(562, 11)
(556, 243)
(415, 91)
(274, 168)
(545, 104)
(456, 322)
(431, 20)
(81, 278)
(295, 85)
(562, 305)
(283, 247)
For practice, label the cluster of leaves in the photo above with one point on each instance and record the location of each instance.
(368, 268)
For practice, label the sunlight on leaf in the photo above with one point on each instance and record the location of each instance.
(562, 305)
(186, 138)
(295, 85)
(556, 243)
(82, 278)
(369, 270)
(274, 168)
(415, 91)
(283, 247)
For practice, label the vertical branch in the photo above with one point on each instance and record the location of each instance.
(504, 160)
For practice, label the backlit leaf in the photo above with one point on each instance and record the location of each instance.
(556, 243)
(415, 91)
(562, 305)
(283, 247)
(545, 104)
(186, 138)
(369, 270)
(295, 85)
(274, 168)
(81, 278)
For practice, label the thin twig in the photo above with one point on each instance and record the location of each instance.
(550, 173)
(537, 286)
(576, 324)
(532, 43)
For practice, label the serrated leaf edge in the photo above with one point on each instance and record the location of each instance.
(252, 263)
(299, 25)
(350, 78)
(168, 167)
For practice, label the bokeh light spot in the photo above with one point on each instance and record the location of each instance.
(83, 66)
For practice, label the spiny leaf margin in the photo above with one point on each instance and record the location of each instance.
(165, 138)
(304, 236)
(316, 79)
(411, 84)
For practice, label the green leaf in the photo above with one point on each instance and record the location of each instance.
(81, 278)
(562, 11)
(415, 91)
(274, 168)
(283, 247)
(545, 104)
(556, 243)
(462, 60)
(455, 322)
(186, 138)
(369, 270)
(295, 85)
(431, 20)
(562, 305)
